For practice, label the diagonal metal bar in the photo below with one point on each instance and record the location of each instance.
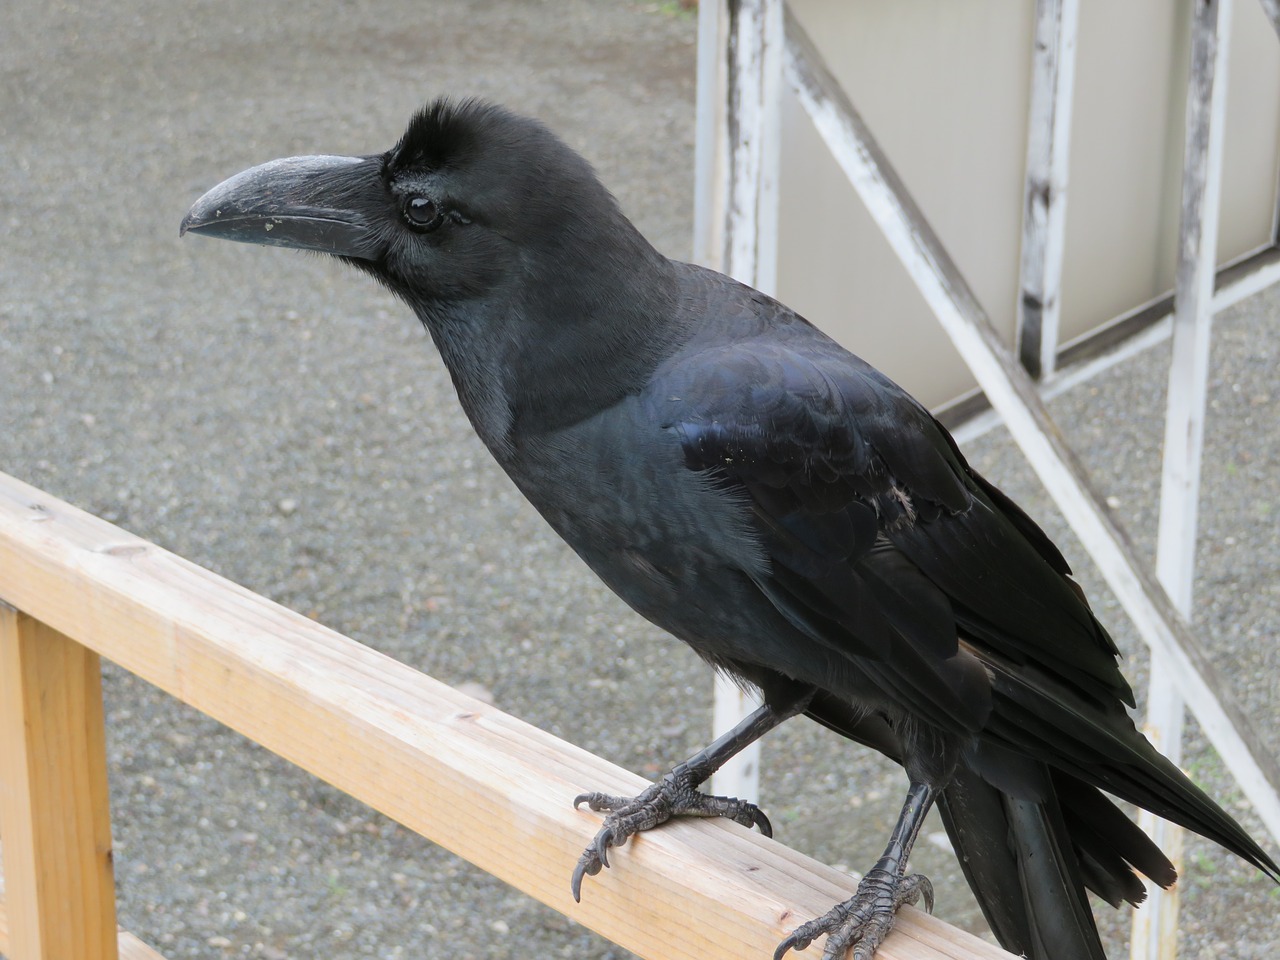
(1044, 213)
(1272, 9)
(1013, 394)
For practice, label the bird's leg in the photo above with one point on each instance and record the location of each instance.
(676, 794)
(865, 919)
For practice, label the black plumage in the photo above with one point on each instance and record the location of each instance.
(746, 483)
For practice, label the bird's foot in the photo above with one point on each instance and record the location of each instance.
(675, 795)
(865, 919)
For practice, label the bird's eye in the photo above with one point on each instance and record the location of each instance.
(422, 214)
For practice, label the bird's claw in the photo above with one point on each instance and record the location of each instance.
(587, 866)
(863, 921)
(600, 801)
(672, 796)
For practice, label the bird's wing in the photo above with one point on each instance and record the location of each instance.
(881, 541)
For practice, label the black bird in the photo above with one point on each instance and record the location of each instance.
(749, 485)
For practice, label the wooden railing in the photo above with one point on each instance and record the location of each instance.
(481, 783)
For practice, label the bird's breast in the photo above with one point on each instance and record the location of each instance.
(663, 537)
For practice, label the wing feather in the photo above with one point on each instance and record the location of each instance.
(882, 543)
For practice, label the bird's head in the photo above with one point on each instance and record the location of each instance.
(542, 296)
(472, 197)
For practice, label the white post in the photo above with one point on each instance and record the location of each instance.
(740, 52)
(740, 776)
(1155, 926)
(1044, 214)
(711, 125)
(1272, 10)
(755, 47)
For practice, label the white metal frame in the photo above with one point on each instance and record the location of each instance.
(1158, 604)
(1044, 216)
(1155, 928)
(1272, 10)
(736, 227)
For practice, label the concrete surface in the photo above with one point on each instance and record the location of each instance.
(288, 425)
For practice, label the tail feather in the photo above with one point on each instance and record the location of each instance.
(1123, 762)
(1031, 848)
(1113, 849)
(1021, 863)
(1062, 923)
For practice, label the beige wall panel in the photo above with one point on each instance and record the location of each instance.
(1251, 154)
(1127, 145)
(944, 87)
(835, 267)
(1124, 178)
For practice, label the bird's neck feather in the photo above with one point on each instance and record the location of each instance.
(581, 334)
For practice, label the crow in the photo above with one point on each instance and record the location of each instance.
(750, 486)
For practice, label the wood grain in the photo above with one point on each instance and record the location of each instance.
(54, 815)
(130, 947)
(483, 784)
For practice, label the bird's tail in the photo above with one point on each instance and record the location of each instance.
(1030, 858)
(1030, 861)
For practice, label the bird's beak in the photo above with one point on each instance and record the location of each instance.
(329, 204)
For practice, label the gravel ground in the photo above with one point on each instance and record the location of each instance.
(288, 425)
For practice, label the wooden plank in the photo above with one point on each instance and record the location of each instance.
(1014, 396)
(1155, 929)
(1044, 214)
(5, 941)
(487, 786)
(54, 813)
(129, 946)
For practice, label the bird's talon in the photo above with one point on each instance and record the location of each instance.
(599, 802)
(921, 889)
(674, 795)
(584, 868)
(761, 822)
(793, 942)
(862, 922)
